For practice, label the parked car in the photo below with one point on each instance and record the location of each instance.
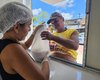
(81, 38)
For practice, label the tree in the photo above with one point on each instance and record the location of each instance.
(43, 16)
(35, 20)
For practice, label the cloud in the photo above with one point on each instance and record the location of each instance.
(65, 3)
(36, 11)
(66, 16)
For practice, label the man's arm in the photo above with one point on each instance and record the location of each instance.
(71, 43)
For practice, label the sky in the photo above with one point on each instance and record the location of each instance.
(70, 9)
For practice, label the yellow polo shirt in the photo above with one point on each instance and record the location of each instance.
(66, 35)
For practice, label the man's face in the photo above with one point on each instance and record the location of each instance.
(58, 23)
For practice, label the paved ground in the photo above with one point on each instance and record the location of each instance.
(80, 54)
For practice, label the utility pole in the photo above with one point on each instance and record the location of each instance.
(78, 20)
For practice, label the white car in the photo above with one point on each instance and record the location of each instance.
(81, 38)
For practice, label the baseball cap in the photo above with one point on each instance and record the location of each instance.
(54, 16)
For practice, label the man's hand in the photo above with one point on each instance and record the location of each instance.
(46, 35)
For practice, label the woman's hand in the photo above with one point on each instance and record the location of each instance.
(38, 27)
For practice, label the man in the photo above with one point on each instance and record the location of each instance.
(66, 39)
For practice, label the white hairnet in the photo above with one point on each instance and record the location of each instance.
(11, 13)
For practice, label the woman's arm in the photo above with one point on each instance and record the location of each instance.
(25, 66)
(45, 68)
(29, 41)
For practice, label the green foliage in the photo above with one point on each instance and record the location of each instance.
(42, 17)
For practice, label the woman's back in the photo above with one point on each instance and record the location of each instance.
(4, 74)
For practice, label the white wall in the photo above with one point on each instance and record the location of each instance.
(2, 2)
(93, 44)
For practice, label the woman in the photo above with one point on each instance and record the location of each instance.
(15, 63)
